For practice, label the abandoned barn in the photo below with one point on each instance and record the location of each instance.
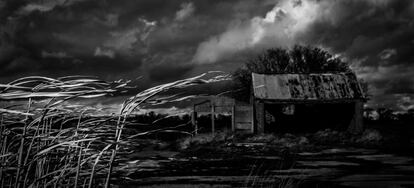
(292, 103)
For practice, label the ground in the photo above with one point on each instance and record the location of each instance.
(323, 159)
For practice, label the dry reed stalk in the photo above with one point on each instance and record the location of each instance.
(20, 159)
(132, 103)
(29, 151)
(79, 151)
(47, 157)
(95, 163)
(113, 153)
(48, 142)
(2, 148)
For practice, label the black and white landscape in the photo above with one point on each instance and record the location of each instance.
(217, 93)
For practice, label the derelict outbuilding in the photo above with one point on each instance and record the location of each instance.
(306, 102)
(292, 103)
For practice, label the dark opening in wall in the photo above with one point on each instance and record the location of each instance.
(281, 118)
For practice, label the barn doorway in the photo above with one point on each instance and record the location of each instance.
(307, 118)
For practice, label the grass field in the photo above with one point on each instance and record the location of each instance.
(46, 142)
(56, 145)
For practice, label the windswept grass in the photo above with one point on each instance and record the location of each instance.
(60, 146)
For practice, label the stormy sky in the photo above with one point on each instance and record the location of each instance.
(164, 40)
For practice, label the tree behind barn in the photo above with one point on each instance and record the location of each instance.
(298, 60)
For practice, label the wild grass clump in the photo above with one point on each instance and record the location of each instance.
(262, 138)
(369, 138)
(329, 136)
(262, 176)
(270, 181)
(60, 146)
(291, 141)
(205, 139)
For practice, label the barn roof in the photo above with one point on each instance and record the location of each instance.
(302, 87)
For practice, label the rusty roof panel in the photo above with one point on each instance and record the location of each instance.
(306, 86)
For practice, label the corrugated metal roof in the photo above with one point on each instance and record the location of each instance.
(306, 86)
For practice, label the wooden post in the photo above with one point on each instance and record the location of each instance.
(212, 118)
(233, 118)
(254, 116)
(357, 122)
(260, 117)
(194, 120)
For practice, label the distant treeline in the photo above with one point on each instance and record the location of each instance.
(388, 115)
(223, 121)
(152, 119)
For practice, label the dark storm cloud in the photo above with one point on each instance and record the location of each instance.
(168, 40)
(364, 29)
(376, 36)
(164, 73)
(54, 37)
(400, 86)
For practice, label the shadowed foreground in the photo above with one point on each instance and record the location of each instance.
(287, 161)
